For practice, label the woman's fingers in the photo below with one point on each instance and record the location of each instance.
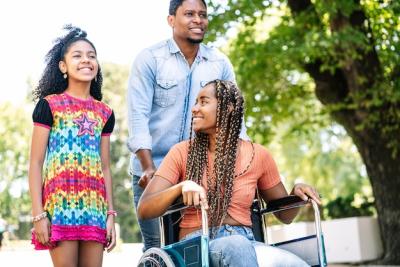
(305, 191)
(184, 198)
(189, 199)
(299, 192)
(315, 195)
(194, 194)
(196, 199)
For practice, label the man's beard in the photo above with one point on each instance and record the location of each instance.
(195, 41)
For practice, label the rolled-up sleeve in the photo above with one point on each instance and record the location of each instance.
(140, 98)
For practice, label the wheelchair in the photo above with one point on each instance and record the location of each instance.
(193, 252)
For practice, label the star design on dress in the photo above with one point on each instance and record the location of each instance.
(86, 125)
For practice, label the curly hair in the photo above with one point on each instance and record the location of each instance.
(230, 108)
(52, 81)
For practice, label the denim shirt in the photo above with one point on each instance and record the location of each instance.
(162, 89)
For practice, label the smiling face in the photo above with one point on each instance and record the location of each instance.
(80, 62)
(204, 112)
(190, 22)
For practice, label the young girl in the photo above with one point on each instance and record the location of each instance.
(219, 170)
(72, 208)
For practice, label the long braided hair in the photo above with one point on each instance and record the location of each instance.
(52, 80)
(230, 109)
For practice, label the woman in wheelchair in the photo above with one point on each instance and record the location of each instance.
(220, 171)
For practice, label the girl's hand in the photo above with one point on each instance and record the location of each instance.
(111, 234)
(42, 231)
(305, 191)
(194, 194)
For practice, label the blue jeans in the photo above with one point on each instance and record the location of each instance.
(235, 246)
(149, 228)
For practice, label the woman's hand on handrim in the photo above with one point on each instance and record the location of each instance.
(194, 194)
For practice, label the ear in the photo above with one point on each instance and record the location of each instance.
(171, 20)
(62, 66)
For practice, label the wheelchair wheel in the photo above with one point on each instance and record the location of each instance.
(155, 257)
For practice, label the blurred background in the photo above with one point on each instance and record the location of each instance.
(320, 79)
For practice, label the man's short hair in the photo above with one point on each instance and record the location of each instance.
(175, 4)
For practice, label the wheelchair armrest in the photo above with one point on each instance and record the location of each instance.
(288, 202)
(176, 206)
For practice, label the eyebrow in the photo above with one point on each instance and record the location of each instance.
(194, 10)
(80, 51)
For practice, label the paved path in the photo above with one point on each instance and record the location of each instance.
(21, 254)
(125, 255)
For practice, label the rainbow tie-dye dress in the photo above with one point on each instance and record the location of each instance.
(74, 192)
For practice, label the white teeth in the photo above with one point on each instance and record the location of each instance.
(197, 30)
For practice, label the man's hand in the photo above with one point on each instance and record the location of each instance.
(146, 177)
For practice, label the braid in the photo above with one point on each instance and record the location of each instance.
(229, 121)
(197, 157)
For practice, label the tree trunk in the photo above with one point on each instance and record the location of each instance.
(383, 166)
(384, 174)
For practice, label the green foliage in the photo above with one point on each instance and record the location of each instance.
(114, 90)
(336, 34)
(15, 134)
(272, 50)
(346, 206)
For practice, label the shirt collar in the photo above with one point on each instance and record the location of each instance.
(174, 48)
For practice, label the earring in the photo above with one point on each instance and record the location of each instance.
(95, 78)
(65, 75)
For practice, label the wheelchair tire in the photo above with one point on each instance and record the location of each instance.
(155, 257)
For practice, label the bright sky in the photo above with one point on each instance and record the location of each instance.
(119, 29)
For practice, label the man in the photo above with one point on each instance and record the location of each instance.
(163, 85)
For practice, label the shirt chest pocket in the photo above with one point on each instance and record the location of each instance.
(165, 92)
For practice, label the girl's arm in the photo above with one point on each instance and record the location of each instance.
(40, 137)
(105, 166)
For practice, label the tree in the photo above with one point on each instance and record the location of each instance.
(349, 51)
(114, 90)
(15, 205)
